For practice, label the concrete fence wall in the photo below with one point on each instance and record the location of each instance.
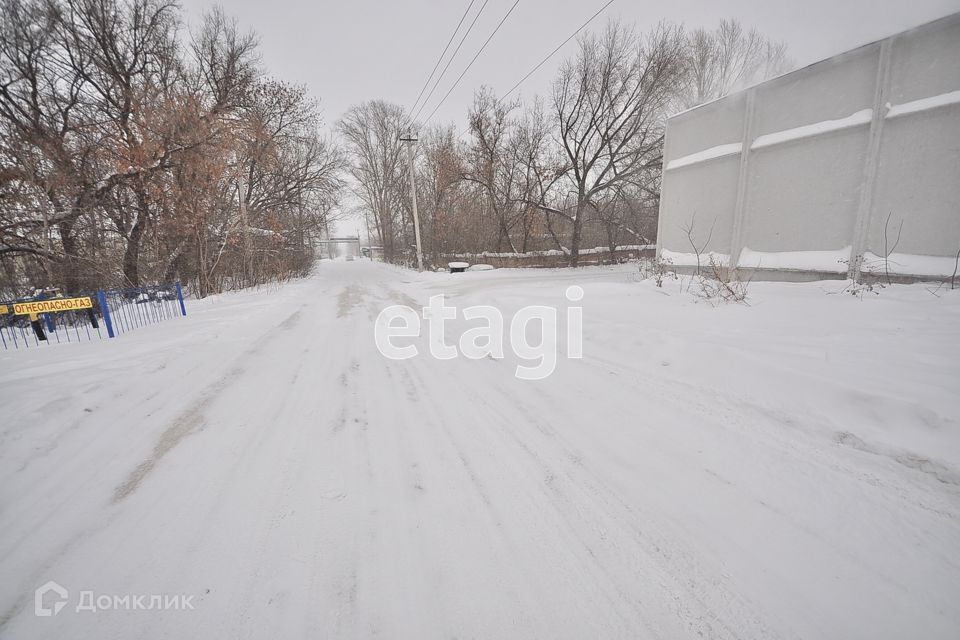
(815, 171)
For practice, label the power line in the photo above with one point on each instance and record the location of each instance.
(464, 72)
(454, 55)
(552, 53)
(440, 59)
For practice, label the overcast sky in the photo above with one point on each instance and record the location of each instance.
(348, 52)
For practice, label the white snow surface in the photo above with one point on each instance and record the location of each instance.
(809, 130)
(718, 151)
(831, 261)
(923, 104)
(787, 469)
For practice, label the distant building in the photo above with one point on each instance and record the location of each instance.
(813, 173)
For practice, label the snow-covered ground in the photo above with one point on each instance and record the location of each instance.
(785, 469)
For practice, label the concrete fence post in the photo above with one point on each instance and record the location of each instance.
(740, 208)
(861, 227)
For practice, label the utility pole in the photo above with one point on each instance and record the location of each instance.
(410, 140)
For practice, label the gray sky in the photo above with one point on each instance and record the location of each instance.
(348, 52)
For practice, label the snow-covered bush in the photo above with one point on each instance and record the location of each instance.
(657, 269)
(718, 283)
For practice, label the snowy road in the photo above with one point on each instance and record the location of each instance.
(785, 470)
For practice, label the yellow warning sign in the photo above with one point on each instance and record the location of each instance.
(52, 306)
(4, 309)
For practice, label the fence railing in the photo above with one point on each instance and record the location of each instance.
(108, 313)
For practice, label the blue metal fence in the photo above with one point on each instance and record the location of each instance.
(113, 312)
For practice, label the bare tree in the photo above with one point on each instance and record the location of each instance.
(729, 58)
(543, 169)
(610, 102)
(225, 62)
(372, 133)
(493, 161)
(441, 192)
(51, 157)
(120, 149)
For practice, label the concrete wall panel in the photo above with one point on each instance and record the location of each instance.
(711, 125)
(918, 181)
(707, 190)
(828, 90)
(803, 196)
(925, 62)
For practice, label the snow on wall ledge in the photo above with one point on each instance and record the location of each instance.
(832, 261)
(718, 151)
(856, 119)
(923, 104)
(680, 259)
(809, 130)
(907, 264)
